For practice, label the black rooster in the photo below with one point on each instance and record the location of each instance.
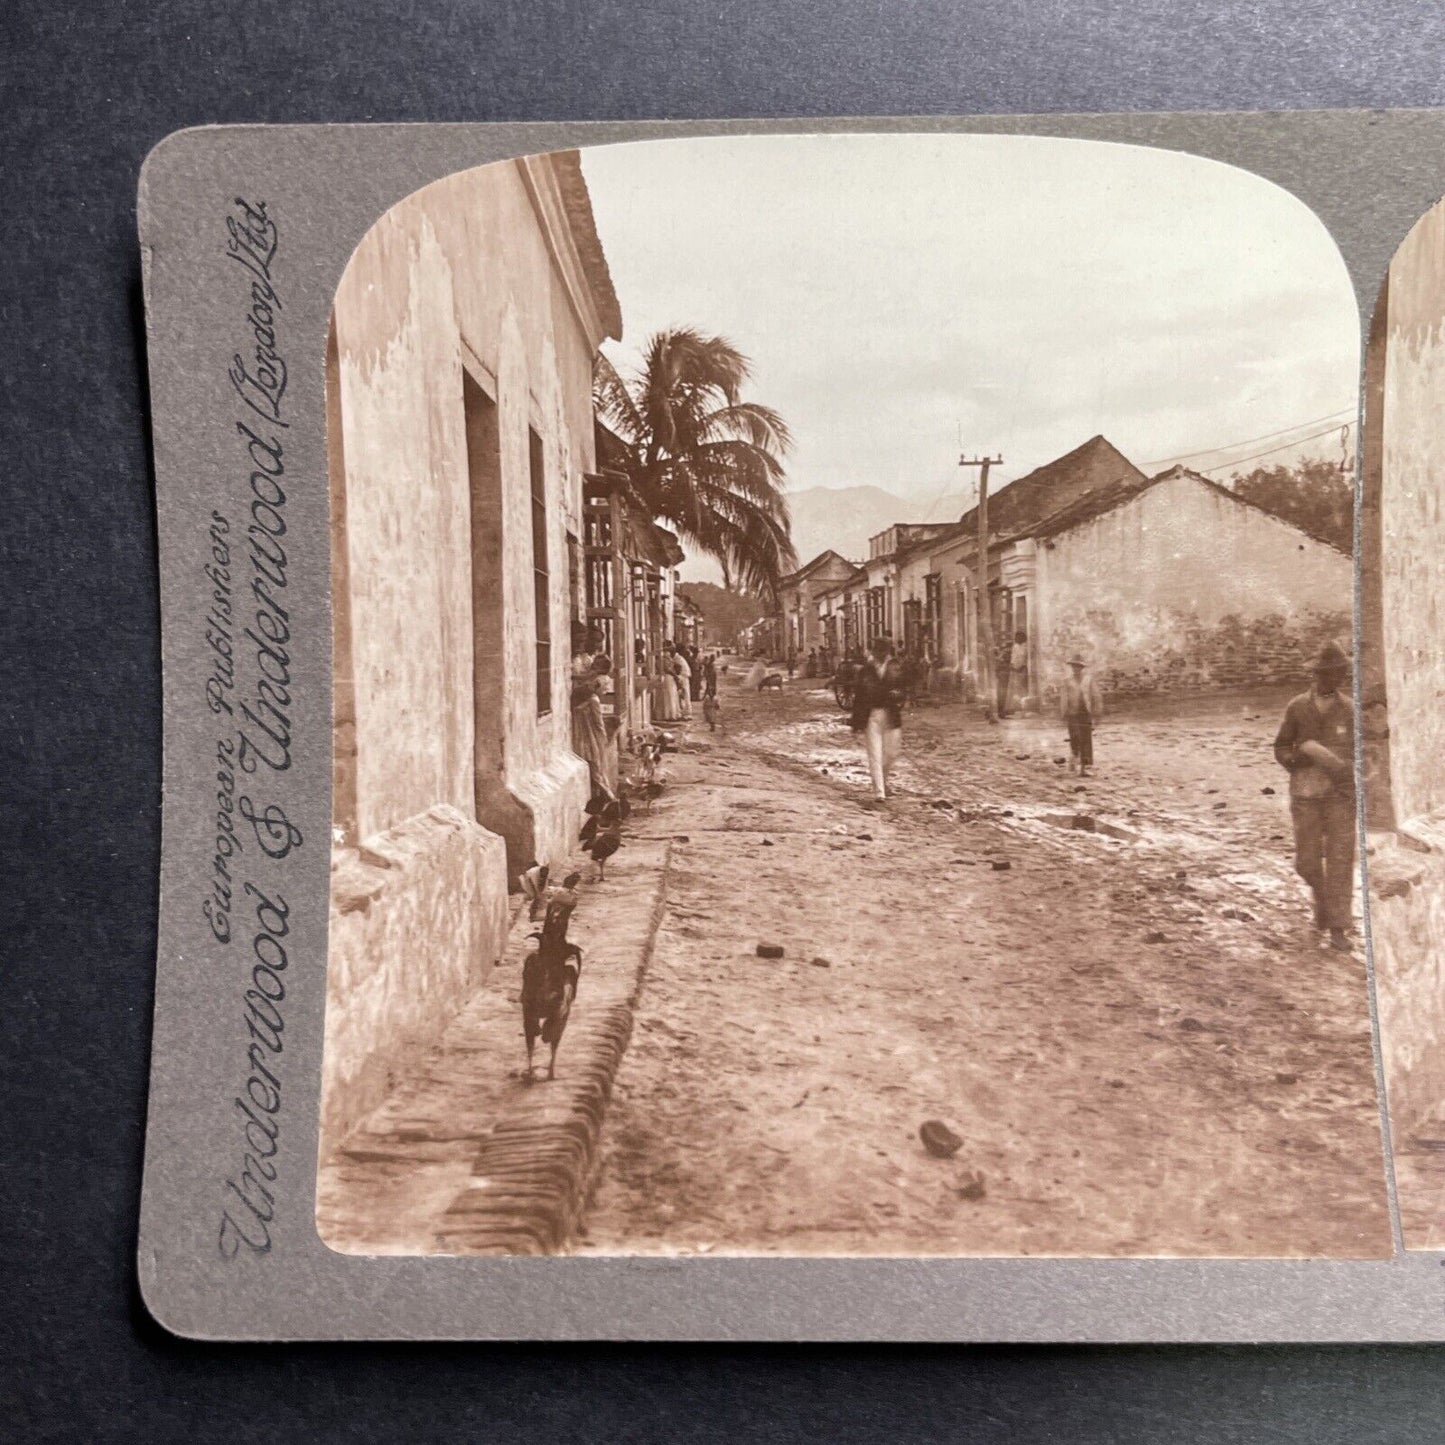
(550, 975)
(604, 844)
(606, 817)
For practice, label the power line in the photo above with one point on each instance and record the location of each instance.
(1298, 441)
(1263, 437)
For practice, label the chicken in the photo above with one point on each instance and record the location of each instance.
(651, 792)
(549, 977)
(603, 846)
(607, 817)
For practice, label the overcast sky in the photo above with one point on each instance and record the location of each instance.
(899, 296)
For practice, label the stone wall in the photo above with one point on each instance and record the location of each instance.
(1183, 589)
(1403, 642)
(1413, 519)
(1407, 926)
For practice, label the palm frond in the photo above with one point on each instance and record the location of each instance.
(614, 403)
(758, 425)
(700, 459)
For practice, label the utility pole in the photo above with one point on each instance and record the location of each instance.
(987, 682)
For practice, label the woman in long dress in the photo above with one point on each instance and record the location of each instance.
(683, 673)
(589, 727)
(665, 706)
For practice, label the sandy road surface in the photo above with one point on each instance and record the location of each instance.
(1130, 1025)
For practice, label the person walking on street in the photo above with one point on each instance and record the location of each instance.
(877, 713)
(1316, 745)
(1081, 707)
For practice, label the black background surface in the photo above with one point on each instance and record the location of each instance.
(85, 91)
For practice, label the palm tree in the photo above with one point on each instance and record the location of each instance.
(699, 459)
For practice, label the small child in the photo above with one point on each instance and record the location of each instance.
(1081, 707)
(711, 711)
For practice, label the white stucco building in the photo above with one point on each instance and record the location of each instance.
(460, 428)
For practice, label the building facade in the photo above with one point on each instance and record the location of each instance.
(1168, 583)
(942, 574)
(798, 600)
(839, 613)
(460, 430)
(1177, 585)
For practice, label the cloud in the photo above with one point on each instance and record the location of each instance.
(900, 294)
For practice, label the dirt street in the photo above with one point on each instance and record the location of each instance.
(1108, 989)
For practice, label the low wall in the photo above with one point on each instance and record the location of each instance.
(1148, 651)
(556, 798)
(418, 919)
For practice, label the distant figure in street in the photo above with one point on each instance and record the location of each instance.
(1316, 744)
(711, 708)
(792, 662)
(1081, 707)
(694, 662)
(877, 713)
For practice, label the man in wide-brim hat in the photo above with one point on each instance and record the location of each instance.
(1316, 743)
(1080, 706)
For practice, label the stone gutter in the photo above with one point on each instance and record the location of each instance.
(467, 1158)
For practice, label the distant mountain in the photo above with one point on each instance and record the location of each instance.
(844, 518)
(725, 614)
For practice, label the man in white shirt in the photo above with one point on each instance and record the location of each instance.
(1081, 707)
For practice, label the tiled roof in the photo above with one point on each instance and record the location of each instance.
(1017, 509)
(567, 166)
(1107, 498)
(1014, 509)
(849, 581)
(808, 568)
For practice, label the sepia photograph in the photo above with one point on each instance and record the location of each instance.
(844, 733)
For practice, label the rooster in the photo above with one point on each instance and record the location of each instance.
(603, 845)
(607, 817)
(549, 977)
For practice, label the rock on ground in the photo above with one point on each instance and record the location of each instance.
(1132, 1071)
